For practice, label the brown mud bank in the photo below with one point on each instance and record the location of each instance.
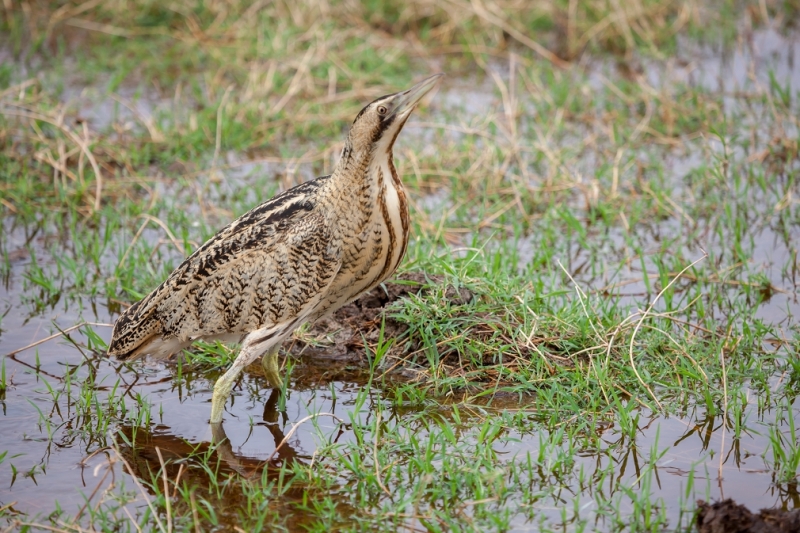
(729, 517)
(333, 348)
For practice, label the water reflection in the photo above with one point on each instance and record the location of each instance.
(274, 421)
(140, 444)
(224, 474)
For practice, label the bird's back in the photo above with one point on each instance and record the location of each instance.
(260, 269)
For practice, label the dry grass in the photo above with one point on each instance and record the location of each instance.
(274, 83)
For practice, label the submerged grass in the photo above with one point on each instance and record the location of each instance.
(627, 235)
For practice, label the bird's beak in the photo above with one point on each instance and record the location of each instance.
(405, 101)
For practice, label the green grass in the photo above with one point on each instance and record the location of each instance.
(578, 196)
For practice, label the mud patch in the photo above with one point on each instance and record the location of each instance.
(729, 517)
(333, 348)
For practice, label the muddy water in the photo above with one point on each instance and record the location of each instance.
(772, 253)
(48, 443)
(59, 461)
(51, 449)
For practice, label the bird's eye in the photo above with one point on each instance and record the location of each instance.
(382, 110)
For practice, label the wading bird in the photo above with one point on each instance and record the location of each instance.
(293, 259)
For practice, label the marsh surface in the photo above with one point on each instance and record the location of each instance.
(529, 385)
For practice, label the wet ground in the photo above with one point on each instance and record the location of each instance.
(52, 458)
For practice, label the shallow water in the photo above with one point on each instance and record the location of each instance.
(49, 445)
(48, 442)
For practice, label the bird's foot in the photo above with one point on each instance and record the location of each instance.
(222, 391)
(271, 368)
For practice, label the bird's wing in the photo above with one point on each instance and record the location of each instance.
(263, 269)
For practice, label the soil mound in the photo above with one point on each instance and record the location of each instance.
(729, 517)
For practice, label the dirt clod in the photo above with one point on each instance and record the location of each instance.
(729, 517)
(341, 337)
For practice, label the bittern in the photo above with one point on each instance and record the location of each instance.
(293, 259)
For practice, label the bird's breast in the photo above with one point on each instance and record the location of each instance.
(377, 237)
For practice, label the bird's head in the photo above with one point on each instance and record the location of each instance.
(376, 127)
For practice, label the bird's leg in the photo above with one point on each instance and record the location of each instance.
(222, 391)
(251, 350)
(271, 367)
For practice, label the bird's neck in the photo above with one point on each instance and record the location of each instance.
(372, 204)
(364, 174)
(370, 187)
